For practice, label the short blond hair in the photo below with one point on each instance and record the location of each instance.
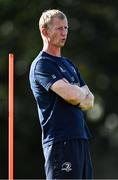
(48, 15)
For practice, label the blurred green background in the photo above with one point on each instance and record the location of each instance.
(93, 46)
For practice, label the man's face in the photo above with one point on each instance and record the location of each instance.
(57, 32)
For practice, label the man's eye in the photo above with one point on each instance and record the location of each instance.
(61, 28)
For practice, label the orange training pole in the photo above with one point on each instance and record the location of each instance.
(11, 118)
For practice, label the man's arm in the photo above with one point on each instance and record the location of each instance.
(73, 94)
(88, 102)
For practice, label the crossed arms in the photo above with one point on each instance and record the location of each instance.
(74, 94)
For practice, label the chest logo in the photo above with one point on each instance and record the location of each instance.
(62, 70)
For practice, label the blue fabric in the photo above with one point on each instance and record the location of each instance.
(59, 120)
(68, 160)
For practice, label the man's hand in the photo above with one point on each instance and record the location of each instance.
(88, 102)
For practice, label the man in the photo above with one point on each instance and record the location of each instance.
(62, 96)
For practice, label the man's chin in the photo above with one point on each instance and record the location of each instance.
(62, 44)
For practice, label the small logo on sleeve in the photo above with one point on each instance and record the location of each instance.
(67, 166)
(53, 76)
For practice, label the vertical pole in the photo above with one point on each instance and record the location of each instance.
(11, 118)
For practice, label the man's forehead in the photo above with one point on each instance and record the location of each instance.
(58, 21)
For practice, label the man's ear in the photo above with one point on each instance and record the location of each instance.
(44, 32)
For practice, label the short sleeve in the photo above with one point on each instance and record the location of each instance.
(46, 73)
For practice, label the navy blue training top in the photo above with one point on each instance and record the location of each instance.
(59, 120)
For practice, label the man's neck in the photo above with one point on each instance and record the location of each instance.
(52, 51)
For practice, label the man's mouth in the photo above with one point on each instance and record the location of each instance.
(64, 39)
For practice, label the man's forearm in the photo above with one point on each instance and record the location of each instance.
(73, 94)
